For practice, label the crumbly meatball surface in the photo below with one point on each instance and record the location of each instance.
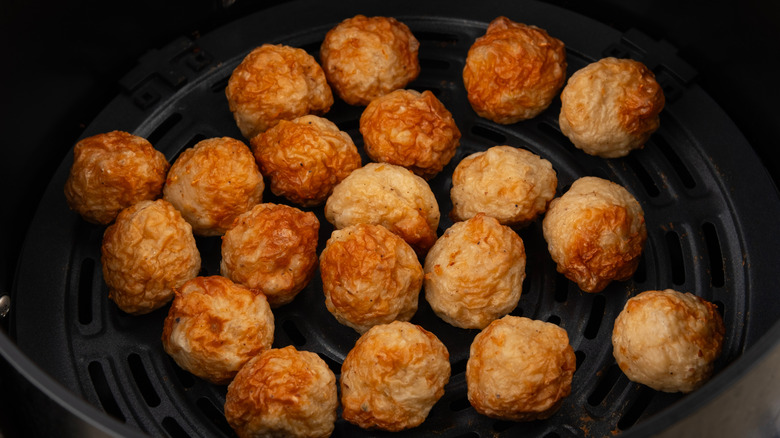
(595, 233)
(519, 369)
(273, 248)
(393, 376)
(112, 171)
(370, 276)
(514, 71)
(147, 252)
(410, 129)
(212, 183)
(668, 340)
(610, 107)
(215, 326)
(474, 273)
(510, 184)
(273, 83)
(305, 158)
(368, 57)
(283, 392)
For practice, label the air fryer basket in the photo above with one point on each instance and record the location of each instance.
(709, 207)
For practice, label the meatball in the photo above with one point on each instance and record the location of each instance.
(369, 276)
(145, 254)
(595, 233)
(368, 57)
(305, 158)
(514, 71)
(273, 83)
(393, 376)
(214, 326)
(668, 340)
(474, 273)
(519, 369)
(611, 107)
(410, 129)
(388, 195)
(113, 171)
(212, 183)
(283, 392)
(510, 184)
(273, 248)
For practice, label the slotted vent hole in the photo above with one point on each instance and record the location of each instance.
(442, 39)
(640, 275)
(459, 367)
(677, 164)
(166, 126)
(173, 428)
(103, 391)
(634, 410)
(334, 365)
(214, 414)
(460, 404)
(488, 134)
(596, 316)
(142, 381)
(717, 272)
(85, 294)
(293, 332)
(428, 64)
(561, 292)
(643, 176)
(608, 379)
(676, 262)
(554, 319)
(554, 133)
(579, 355)
(186, 380)
(220, 85)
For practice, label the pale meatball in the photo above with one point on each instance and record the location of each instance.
(668, 340)
(393, 376)
(113, 171)
(283, 393)
(510, 184)
(410, 129)
(367, 57)
(595, 233)
(212, 183)
(519, 369)
(273, 83)
(369, 276)
(611, 107)
(474, 273)
(147, 253)
(514, 71)
(272, 248)
(305, 158)
(215, 326)
(388, 195)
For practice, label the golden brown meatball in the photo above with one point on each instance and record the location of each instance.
(474, 273)
(510, 184)
(305, 158)
(595, 233)
(519, 369)
(393, 376)
(370, 276)
(367, 57)
(388, 195)
(514, 71)
(214, 326)
(112, 171)
(283, 393)
(410, 129)
(611, 107)
(668, 340)
(273, 83)
(272, 248)
(145, 254)
(212, 183)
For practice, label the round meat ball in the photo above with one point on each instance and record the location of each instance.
(393, 376)
(514, 71)
(474, 273)
(368, 57)
(283, 392)
(305, 158)
(668, 340)
(273, 248)
(410, 129)
(145, 254)
(595, 233)
(519, 369)
(611, 107)
(370, 276)
(273, 83)
(215, 326)
(387, 195)
(510, 184)
(112, 171)
(212, 183)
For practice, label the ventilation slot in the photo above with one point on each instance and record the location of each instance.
(677, 164)
(675, 257)
(334, 365)
(555, 134)
(554, 319)
(717, 275)
(85, 291)
(142, 381)
(641, 173)
(460, 404)
(488, 134)
(434, 64)
(561, 293)
(441, 39)
(220, 85)
(640, 275)
(292, 332)
(173, 428)
(604, 386)
(596, 316)
(579, 355)
(168, 124)
(103, 391)
(185, 378)
(215, 415)
(636, 408)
